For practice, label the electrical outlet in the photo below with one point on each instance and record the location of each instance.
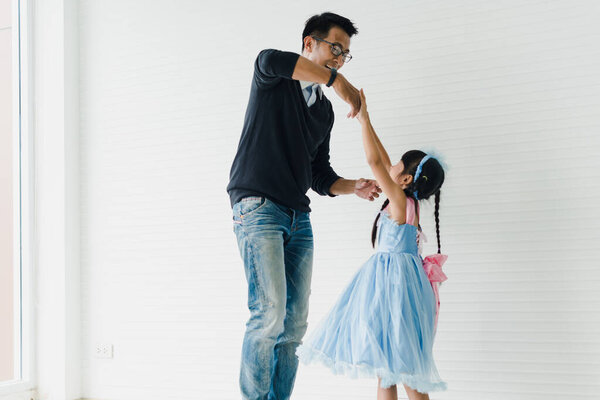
(104, 350)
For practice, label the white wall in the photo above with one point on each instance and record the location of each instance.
(508, 91)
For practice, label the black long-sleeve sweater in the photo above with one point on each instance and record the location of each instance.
(284, 147)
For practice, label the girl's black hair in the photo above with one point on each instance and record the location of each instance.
(428, 183)
(320, 25)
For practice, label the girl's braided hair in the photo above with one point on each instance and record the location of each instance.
(427, 184)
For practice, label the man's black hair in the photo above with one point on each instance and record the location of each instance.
(320, 24)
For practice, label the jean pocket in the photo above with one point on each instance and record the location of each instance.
(248, 206)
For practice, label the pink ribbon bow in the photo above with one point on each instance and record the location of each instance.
(433, 268)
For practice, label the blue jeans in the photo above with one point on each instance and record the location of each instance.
(276, 244)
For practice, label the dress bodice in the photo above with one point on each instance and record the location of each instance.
(399, 238)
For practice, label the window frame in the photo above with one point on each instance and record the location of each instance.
(23, 200)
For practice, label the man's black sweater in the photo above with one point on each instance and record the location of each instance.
(284, 147)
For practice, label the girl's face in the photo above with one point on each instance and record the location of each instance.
(398, 175)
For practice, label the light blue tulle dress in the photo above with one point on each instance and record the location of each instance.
(383, 324)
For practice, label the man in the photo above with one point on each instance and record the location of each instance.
(284, 151)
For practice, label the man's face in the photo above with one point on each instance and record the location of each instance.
(320, 52)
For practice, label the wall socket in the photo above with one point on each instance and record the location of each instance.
(104, 350)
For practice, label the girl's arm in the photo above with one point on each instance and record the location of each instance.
(379, 161)
(385, 158)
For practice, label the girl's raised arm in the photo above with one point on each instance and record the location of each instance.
(379, 161)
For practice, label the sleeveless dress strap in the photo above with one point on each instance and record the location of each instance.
(410, 211)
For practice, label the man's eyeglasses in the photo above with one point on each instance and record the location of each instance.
(336, 49)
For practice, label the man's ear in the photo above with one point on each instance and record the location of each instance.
(308, 44)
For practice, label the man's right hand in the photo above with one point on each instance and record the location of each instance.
(348, 93)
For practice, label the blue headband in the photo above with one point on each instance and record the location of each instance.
(418, 173)
(420, 167)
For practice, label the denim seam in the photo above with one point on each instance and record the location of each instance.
(258, 284)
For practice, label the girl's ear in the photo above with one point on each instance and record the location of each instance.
(407, 179)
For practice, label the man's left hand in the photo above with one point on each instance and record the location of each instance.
(367, 189)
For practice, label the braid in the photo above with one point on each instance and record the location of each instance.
(374, 230)
(426, 184)
(437, 219)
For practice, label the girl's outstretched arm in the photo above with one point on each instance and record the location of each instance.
(385, 158)
(379, 162)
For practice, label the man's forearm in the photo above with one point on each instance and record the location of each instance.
(307, 70)
(342, 186)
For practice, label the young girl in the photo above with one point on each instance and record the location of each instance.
(384, 323)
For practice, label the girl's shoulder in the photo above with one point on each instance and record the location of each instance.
(401, 216)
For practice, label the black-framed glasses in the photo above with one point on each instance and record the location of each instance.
(336, 49)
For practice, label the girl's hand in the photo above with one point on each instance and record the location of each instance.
(363, 115)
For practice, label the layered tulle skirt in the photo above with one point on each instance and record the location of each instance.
(383, 325)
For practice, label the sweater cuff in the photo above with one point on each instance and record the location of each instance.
(329, 182)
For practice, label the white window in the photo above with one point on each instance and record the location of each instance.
(15, 214)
